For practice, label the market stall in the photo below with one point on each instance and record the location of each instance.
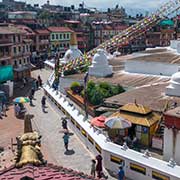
(144, 122)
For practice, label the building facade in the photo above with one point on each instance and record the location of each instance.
(59, 39)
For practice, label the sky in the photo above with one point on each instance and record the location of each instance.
(104, 4)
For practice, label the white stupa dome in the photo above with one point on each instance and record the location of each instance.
(100, 66)
(100, 57)
(73, 52)
(175, 78)
(174, 87)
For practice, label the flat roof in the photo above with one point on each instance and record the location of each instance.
(174, 112)
(152, 96)
(163, 55)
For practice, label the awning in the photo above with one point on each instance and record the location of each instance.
(6, 73)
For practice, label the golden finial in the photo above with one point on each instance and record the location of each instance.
(73, 40)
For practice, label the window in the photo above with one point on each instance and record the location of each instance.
(19, 38)
(15, 62)
(14, 38)
(19, 48)
(20, 61)
(52, 36)
(57, 36)
(14, 50)
(64, 36)
(24, 61)
(60, 36)
(67, 36)
(23, 49)
(28, 60)
(27, 48)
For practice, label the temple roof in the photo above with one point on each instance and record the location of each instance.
(48, 171)
(136, 108)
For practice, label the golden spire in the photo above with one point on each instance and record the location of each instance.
(28, 146)
(73, 40)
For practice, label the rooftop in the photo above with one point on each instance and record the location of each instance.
(42, 31)
(174, 112)
(49, 171)
(59, 29)
(162, 55)
(136, 108)
(152, 96)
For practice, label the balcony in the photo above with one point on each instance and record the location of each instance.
(44, 41)
(5, 42)
(5, 56)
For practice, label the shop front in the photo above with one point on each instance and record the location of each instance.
(144, 123)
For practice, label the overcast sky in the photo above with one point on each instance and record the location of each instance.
(103, 4)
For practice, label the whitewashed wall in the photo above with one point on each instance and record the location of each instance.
(153, 68)
(109, 150)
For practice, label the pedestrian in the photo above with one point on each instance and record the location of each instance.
(24, 82)
(64, 123)
(37, 84)
(4, 108)
(17, 110)
(34, 86)
(121, 175)
(43, 103)
(32, 92)
(0, 110)
(99, 166)
(30, 99)
(40, 81)
(66, 140)
(93, 168)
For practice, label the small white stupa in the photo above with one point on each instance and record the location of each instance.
(100, 66)
(73, 52)
(174, 87)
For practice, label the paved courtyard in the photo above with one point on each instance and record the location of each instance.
(49, 126)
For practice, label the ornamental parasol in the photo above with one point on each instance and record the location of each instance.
(21, 100)
(117, 123)
(98, 121)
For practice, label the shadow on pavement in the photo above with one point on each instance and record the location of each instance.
(69, 152)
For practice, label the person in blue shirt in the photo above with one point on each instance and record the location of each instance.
(66, 140)
(121, 175)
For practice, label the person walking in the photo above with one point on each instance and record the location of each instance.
(64, 123)
(99, 166)
(43, 103)
(66, 140)
(40, 81)
(121, 175)
(0, 110)
(4, 108)
(30, 99)
(24, 82)
(93, 168)
(37, 84)
(32, 92)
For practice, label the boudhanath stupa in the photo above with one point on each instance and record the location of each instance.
(100, 66)
(73, 52)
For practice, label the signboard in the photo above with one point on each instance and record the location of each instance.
(157, 143)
